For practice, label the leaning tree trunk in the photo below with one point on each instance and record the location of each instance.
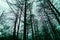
(54, 10)
(53, 30)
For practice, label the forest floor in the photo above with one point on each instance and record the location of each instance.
(9, 38)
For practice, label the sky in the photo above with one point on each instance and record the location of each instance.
(3, 6)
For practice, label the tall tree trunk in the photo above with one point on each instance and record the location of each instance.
(31, 19)
(36, 31)
(27, 32)
(25, 20)
(14, 32)
(19, 22)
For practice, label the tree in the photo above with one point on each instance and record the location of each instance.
(52, 28)
(25, 20)
(17, 16)
(56, 12)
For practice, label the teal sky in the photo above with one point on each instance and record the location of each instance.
(3, 4)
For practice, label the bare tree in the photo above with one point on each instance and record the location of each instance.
(56, 12)
(25, 20)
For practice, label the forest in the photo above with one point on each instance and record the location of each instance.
(29, 19)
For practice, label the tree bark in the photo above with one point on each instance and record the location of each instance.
(25, 20)
(55, 11)
(14, 32)
(31, 19)
(52, 28)
(19, 23)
